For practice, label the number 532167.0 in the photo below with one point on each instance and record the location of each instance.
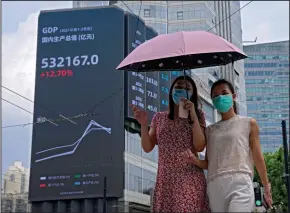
(59, 62)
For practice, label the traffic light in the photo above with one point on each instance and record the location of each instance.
(258, 196)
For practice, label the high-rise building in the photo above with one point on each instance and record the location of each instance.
(15, 203)
(215, 17)
(14, 196)
(16, 179)
(267, 80)
(77, 4)
(212, 16)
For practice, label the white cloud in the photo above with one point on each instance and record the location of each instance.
(267, 20)
(19, 57)
(262, 29)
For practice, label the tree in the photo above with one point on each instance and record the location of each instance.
(275, 167)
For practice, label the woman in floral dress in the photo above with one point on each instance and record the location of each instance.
(180, 185)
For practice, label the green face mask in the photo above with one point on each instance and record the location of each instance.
(223, 103)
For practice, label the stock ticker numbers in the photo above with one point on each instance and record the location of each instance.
(136, 81)
(151, 95)
(164, 84)
(56, 73)
(57, 66)
(149, 91)
(139, 90)
(175, 74)
(83, 60)
(152, 84)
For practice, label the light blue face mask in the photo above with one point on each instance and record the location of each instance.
(223, 103)
(177, 94)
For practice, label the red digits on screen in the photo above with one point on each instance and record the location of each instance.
(52, 74)
(63, 73)
(58, 73)
(69, 73)
(55, 74)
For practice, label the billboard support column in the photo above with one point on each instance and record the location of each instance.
(105, 195)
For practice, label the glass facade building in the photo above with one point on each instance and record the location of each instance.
(267, 85)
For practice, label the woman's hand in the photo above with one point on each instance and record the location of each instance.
(188, 105)
(268, 195)
(192, 158)
(140, 116)
(189, 156)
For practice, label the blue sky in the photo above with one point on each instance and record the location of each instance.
(267, 20)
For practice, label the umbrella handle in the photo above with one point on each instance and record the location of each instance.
(189, 117)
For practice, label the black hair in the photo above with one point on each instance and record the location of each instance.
(194, 98)
(231, 87)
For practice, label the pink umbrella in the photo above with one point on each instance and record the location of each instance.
(181, 51)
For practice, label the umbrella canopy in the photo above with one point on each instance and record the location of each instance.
(180, 51)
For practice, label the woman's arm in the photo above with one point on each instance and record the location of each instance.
(257, 153)
(203, 164)
(259, 161)
(192, 158)
(148, 139)
(198, 131)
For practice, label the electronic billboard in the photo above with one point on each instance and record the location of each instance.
(79, 136)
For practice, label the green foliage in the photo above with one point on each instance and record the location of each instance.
(275, 168)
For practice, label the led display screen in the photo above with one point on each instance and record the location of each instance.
(79, 136)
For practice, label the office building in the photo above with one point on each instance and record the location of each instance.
(267, 85)
(16, 179)
(14, 195)
(15, 203)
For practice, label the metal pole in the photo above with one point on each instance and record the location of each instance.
(284, 135)
(105, 196)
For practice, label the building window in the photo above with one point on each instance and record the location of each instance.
(135, 178)
(219, 116)
(210, 83)
(237, 91)
(208, 111)
(23, 180)
(237, 79)
(216, 75)
(146, 12)
(12, 178)
(149, 179)
(113, 2)
(180, 15)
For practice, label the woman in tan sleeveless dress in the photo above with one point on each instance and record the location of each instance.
(233, 148)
